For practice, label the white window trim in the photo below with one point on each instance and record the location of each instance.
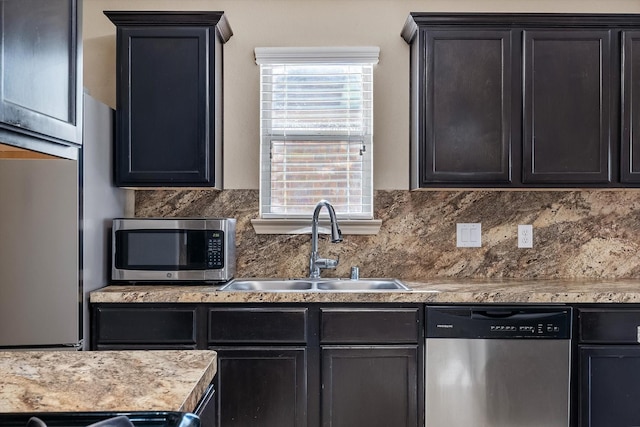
(327, 55)
(303, 226)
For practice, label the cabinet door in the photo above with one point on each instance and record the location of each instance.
(630, 159)
(143, 327)
(465, 119)
(609, 392)
(261, 387)
(166, 131)
(370, 325)
(257, 325)
(608, 325)
(567, 79)
(40, 69)
(369, 386)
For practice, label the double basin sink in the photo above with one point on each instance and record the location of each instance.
(318, 285)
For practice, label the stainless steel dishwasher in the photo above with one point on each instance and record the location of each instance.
(500, 366)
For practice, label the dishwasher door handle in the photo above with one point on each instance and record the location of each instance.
(510, 314)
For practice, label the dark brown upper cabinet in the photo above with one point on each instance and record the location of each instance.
(465, 124)
(41, 75)
(524, 100)
(567, 97)
(169, 98)
(630, 164)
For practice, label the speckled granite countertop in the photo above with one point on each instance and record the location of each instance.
(124, 381)
(437, 291)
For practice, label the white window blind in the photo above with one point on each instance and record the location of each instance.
(316, 108)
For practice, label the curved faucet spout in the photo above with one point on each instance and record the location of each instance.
(315, 262)
(336, 234)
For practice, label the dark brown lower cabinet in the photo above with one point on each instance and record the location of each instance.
(609, 384)
(373, 386)
(609, 365)
(151, 327)
(261, 387)
(144, 327)
(289, 365)
(371, 365)
(262, 364)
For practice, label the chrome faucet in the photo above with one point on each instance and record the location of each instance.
(316, 263)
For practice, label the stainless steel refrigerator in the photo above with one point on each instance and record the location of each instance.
(54, 235)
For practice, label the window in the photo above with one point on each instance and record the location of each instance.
(316, 125)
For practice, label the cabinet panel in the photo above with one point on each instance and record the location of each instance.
(567, 84)
(273, 369)
(40, 68)
(369, 325)
(261, 387)
(630, 160)
(465, 125)
(571, 122)
(609, 392)
(620, 326)
(157, 327)
(257, 325)
(164, 107)
(369, 386)
(169, 98)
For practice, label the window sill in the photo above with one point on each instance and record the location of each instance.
(303, 226)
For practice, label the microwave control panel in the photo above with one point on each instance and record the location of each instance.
(215, 249)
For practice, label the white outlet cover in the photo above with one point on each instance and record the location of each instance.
(525, 236)
(469, 235)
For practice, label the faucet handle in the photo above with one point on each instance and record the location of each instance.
(355, 273)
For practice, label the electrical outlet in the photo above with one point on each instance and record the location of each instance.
(525, 236)
(469, 235)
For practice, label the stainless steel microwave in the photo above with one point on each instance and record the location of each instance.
(173, 250)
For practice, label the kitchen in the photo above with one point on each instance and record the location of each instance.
(577, 234)
(598, 229)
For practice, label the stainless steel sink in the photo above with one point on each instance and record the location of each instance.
(320, 285)
(362, 285)
(268, 285)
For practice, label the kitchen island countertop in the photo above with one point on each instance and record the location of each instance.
(104, 381)
(427, 291)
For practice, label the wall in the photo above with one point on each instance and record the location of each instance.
(593, 234)
(307, 23)
(576, 233)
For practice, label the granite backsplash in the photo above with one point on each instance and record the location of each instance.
(577, 234)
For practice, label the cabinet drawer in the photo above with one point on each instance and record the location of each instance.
(148, 325)
(609, 326)
(257, 325)
(370, 325)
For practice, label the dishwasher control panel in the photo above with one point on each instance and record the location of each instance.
(498, 322)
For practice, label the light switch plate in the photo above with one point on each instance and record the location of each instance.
(469, 235)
